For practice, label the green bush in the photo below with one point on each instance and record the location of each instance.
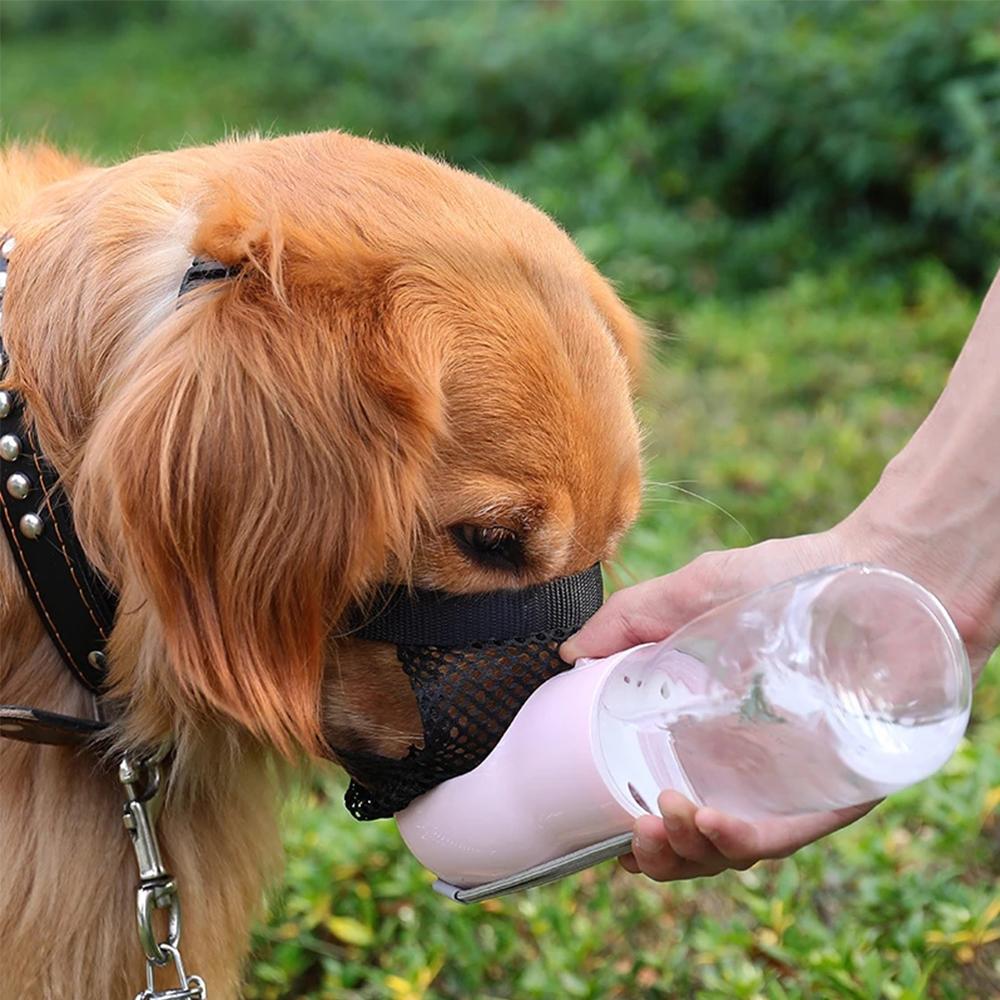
(691, 147)
(44, 17)
(741, 142)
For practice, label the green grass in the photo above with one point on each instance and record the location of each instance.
(780, 410)
(145, 88)
(783, 409)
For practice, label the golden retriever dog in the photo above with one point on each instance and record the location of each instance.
(416, 379)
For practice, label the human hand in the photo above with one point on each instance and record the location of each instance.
(688, 841)
(692, 842)
(934, 515)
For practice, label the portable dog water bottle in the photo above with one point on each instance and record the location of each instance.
(827, 690)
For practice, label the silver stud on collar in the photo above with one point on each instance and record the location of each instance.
(97, 659)
(18, 485)
(6, 404)
(6, 248)
(3, 280)
(31, 525)
(10, 448)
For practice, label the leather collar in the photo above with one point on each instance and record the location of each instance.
(73, 600)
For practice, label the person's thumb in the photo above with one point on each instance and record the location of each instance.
(646, 612)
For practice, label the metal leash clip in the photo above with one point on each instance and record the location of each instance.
(145, 787)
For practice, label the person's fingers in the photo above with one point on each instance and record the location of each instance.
(671, 847)
(672, 870)
(628, 862)
(685, 838)
(742, 843)
(692, 842)
(653, 856)
(652, 853)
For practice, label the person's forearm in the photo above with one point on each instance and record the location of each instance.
(935, 513)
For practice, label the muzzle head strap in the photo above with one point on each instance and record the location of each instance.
(203, 270)
(437, 618)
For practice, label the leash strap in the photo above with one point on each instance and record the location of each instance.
(35, 725)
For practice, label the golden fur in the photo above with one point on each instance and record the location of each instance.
(410, 348)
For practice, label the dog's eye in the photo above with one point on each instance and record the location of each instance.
(492, 546)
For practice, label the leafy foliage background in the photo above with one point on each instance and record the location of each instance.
(716, 146)
(803, 198)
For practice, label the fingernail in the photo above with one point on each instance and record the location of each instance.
(712, 833)
(672, 823)
(646, 845)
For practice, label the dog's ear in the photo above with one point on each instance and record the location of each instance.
(260, 461)
(629, 332)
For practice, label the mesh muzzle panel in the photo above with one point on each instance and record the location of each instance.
(467, 698)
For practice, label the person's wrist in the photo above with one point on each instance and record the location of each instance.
(946, 559)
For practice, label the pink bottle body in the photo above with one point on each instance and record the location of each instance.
(540, 794)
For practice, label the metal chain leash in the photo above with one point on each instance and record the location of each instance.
(144, 784)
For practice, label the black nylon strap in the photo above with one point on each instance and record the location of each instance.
(435, 618)
(203, 269)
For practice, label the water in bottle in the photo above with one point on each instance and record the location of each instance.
(828, 690)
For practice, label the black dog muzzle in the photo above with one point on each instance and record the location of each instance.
(472, 661)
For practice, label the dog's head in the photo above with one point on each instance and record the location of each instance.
(415, 379)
